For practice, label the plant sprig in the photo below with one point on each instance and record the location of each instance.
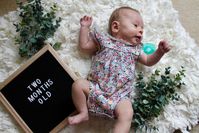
(35, 27)
(154, 94)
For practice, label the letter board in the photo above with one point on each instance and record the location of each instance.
(38, 94)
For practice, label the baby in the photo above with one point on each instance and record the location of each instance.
(107, 89)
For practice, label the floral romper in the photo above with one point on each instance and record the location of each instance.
(112, 73)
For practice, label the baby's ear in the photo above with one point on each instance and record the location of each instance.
(115, 26)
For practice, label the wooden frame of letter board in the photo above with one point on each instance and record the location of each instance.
(21, 69)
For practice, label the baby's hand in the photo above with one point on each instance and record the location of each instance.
(86, 21)
(164, 47)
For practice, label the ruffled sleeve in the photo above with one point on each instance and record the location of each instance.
(99, 36)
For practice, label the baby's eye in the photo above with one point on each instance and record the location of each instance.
(135, 25)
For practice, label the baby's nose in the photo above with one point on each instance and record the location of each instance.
(140, 30)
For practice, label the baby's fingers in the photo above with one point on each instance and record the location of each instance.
(86, 21)
(164, 46)
(167, 49)
(86, 18)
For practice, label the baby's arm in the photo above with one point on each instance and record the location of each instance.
(150, 60)
(86, 42)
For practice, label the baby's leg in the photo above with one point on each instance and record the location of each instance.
(80, 91)
(124, 114)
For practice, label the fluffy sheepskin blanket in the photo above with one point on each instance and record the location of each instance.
(161, 22)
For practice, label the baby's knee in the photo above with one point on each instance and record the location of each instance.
(128, 113)
(78, 83)
(125, 112)
(126, 117)
(81, 84)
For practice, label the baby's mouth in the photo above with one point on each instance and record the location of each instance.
(138, 39)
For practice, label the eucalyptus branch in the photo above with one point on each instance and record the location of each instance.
(154, 94)
(35, 27)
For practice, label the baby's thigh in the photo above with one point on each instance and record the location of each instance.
(124, 109)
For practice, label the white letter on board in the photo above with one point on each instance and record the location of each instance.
(29, 88)
(40, 101)
(48, 94)
(37, 81)
(50, 81)
(35, 94)
(31, 98)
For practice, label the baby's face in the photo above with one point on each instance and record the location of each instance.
(130, 27)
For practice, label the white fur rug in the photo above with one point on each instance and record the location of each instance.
(161, 22)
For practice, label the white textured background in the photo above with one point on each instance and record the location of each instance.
(161, 22)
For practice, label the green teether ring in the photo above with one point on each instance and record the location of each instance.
(148, 48)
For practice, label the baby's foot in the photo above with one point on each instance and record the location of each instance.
(81, 117)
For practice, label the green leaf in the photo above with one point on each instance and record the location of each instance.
(145, 101)
(157, 72)
(57, 45)
(145, 94)
(167, 70)
(33, 40)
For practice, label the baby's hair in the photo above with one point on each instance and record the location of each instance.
(115, 16)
